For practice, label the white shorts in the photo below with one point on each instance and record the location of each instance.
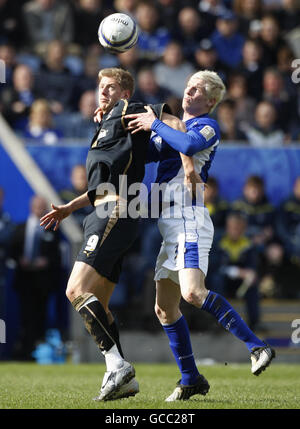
(187, 240)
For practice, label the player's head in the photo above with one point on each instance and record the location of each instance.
(236, 225)
(38, 206)
(78, 178)
(254, 189)
(114, 84)
(204, 91)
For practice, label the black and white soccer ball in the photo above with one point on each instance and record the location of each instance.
(118, 32)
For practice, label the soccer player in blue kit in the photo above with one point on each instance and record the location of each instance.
(183, 258)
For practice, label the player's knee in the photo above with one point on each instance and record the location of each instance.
(195, 298)
(71, 294)
(73, 291)
(158, 311)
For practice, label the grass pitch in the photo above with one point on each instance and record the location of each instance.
(32, 386)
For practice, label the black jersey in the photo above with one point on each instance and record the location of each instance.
(114, 151)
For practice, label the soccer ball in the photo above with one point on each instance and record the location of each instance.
(118, 33)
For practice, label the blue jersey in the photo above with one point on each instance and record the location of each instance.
(200, 141)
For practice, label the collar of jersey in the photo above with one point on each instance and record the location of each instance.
(190, 121)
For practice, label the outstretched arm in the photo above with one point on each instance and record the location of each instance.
(186, 143)
(58, 213)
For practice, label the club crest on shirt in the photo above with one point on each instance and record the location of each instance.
(102, 134)
(208, 132)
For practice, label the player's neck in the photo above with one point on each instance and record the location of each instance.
(188, 115)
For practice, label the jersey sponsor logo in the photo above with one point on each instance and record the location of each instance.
(208, 132)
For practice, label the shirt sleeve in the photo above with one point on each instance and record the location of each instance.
(187, 143)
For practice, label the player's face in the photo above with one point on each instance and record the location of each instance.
(109, 93)
(194, 99)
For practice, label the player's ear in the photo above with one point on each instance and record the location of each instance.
(126, 94)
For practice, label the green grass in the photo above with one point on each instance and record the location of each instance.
(72, 386)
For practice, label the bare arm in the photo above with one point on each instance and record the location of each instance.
(58, 213)
(191, 176)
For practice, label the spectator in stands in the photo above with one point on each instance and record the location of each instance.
(264, 132)
(285, 58)
(210, 10)
(189, 31)
(230, 130)
(37, 257)
(288, 223)
(168, 12)
(258, 211)
(247, 11)
(8, 56)
(11, 29)
(54, 81)
(292, 38)
(126, 6)
(16, 100)
(227, 41)
(88, 79)
(148, 91)
(278, 275)
(173, 71)
(47, 20)
(206, 58)
(80, 124)
(40, 125)
(217, 207)
(288, 14)
(286, 105)
(88, 15)
(237, 90)
(251, 67)
(152, 38)
(270, 39)
(233, 264)
(78, 187)
(130, 60)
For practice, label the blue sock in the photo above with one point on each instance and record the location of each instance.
(180, 343)
(225, 314)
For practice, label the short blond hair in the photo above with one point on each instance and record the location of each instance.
(213, 86)
(123, 77)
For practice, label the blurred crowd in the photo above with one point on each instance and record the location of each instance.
(52, 56)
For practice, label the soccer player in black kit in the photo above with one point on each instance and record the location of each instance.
(114, 154)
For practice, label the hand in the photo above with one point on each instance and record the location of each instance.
(98, 115)
(141, 121)
(55, 216)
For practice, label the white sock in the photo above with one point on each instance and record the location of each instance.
(113, 359)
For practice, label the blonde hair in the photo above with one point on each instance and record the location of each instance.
(122, 77)
(213, 86)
